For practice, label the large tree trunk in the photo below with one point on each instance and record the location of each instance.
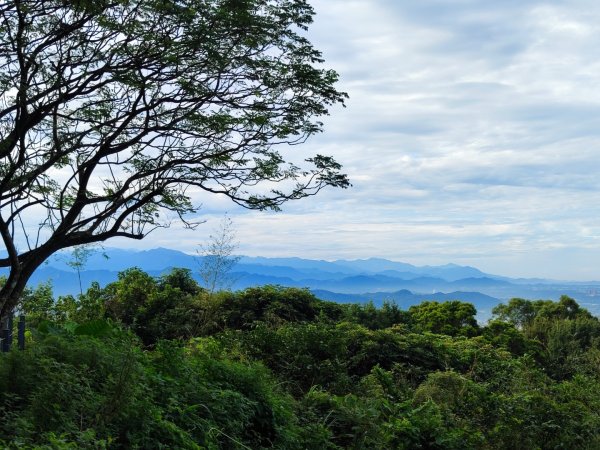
(11, 292)
(19, 276)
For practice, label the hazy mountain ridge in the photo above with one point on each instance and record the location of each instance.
(373, 279)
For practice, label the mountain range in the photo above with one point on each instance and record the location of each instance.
(373, 279)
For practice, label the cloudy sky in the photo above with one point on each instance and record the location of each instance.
(471, 136)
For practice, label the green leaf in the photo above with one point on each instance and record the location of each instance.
(94, 328)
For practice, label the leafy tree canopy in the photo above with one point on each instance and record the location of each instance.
(272, 367)
(113, 114)
(522, 313)
(453, 318)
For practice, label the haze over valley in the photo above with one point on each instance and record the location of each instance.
(355, 281)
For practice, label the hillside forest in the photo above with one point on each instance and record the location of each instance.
(158, 362)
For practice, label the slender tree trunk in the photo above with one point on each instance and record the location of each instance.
(80, 285)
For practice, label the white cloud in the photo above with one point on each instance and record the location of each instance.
(472, 135)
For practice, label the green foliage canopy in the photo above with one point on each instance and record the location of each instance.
(274, 367)
(453, 318)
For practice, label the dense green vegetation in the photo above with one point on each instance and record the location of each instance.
(161, 363)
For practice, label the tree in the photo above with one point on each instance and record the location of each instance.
(80, 255)
(217, 257)
(131, 293)
(518, 311)
(454, 318)
(115, 116)
(525, 313)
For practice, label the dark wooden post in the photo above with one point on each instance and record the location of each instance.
(21, 332)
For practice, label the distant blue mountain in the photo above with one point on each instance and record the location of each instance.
(340, 280)
(302, 264)
(117, 260)
(448, 272)
(405, 298)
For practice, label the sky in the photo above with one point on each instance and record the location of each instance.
(471, 136)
